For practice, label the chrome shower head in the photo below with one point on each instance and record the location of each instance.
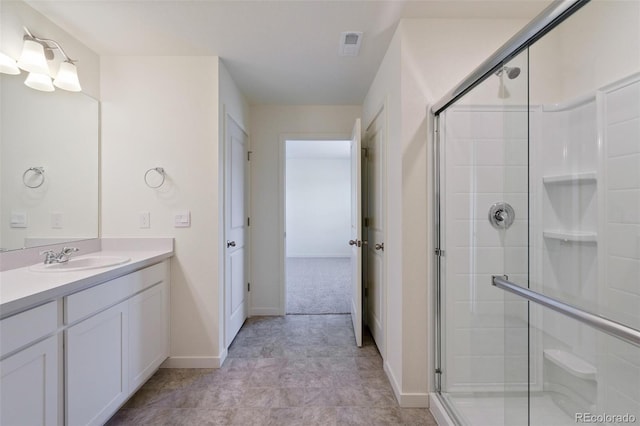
(511, 72)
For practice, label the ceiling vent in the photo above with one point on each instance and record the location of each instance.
(350, 43)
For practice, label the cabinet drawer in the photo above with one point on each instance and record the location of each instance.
(28, 326)
(94, 299)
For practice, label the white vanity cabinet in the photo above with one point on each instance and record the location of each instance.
(118, 335)
(96, 360)
(30, 367)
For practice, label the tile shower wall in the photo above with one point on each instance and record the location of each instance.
(486, 162)
(620, 389)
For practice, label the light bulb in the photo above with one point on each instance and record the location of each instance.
(32, 58)
(8, 65)
(67, 77)
(40, 82)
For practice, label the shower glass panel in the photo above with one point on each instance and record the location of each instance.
(584, 86)
(555, 151)
(484, 231)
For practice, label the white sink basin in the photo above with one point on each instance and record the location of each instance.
(81, 263)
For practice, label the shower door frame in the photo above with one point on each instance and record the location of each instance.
(547, 20)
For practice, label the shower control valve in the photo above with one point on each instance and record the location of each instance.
(501, 215)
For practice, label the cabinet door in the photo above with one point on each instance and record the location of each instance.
(148, 333)
(29, 385)
(96, 361)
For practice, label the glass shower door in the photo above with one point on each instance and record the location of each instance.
(484, 232)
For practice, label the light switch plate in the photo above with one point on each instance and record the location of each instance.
(18, 220)
(182, 219)
(56, 220)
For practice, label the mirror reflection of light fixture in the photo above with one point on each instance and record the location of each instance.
(8, 65)
(32, 58)
(39, 81)
(35, 53)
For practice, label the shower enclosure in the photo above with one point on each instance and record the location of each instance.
(538, 225)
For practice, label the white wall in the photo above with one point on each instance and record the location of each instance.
(16, 14)
(434, 55)
(318, 207)
(163, 111)
(270, 125)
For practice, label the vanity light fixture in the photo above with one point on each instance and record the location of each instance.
(39, 81)
(67, 77)
(8, 65)
(35, 53)
(32, 58)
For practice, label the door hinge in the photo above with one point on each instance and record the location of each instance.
(249, 155)
(248, 286)
(366, 222)
(439, 252)
(438, 371)
(248, 221)
(365, 151)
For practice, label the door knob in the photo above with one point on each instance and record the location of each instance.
(352, 242)
(379, 246)
(231, 243)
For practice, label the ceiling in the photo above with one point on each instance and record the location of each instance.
(278, 52)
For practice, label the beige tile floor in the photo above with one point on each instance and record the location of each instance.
(293, 370)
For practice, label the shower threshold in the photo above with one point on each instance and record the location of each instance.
(511, 409)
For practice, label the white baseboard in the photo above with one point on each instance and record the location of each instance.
(438, 411)
(406, 400)
(195, 361)
(270, 312)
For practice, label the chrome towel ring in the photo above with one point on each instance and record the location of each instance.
(33, 173)
(158, 170)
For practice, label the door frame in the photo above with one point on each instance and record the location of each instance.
(222, 272)
(381, 114)
(282, 192)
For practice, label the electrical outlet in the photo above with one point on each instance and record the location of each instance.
(145, 220)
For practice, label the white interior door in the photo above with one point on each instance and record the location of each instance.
(235, 222)
(373, 253)
(356, 232)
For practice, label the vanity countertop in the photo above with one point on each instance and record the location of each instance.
(22, 288)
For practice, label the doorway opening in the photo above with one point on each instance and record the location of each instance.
(317, 226)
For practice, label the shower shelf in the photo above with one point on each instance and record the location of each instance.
(574, 178)
(583, 237)
(571, 363)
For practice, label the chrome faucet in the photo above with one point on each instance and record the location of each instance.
(50, 256)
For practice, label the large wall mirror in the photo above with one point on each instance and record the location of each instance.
(49, 144)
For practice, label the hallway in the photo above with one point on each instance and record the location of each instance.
(318, 285)
(293, 370)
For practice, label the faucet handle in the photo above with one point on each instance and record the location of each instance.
(49, 256)
(68, 250)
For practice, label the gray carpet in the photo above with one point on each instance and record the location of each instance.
(318, 285)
